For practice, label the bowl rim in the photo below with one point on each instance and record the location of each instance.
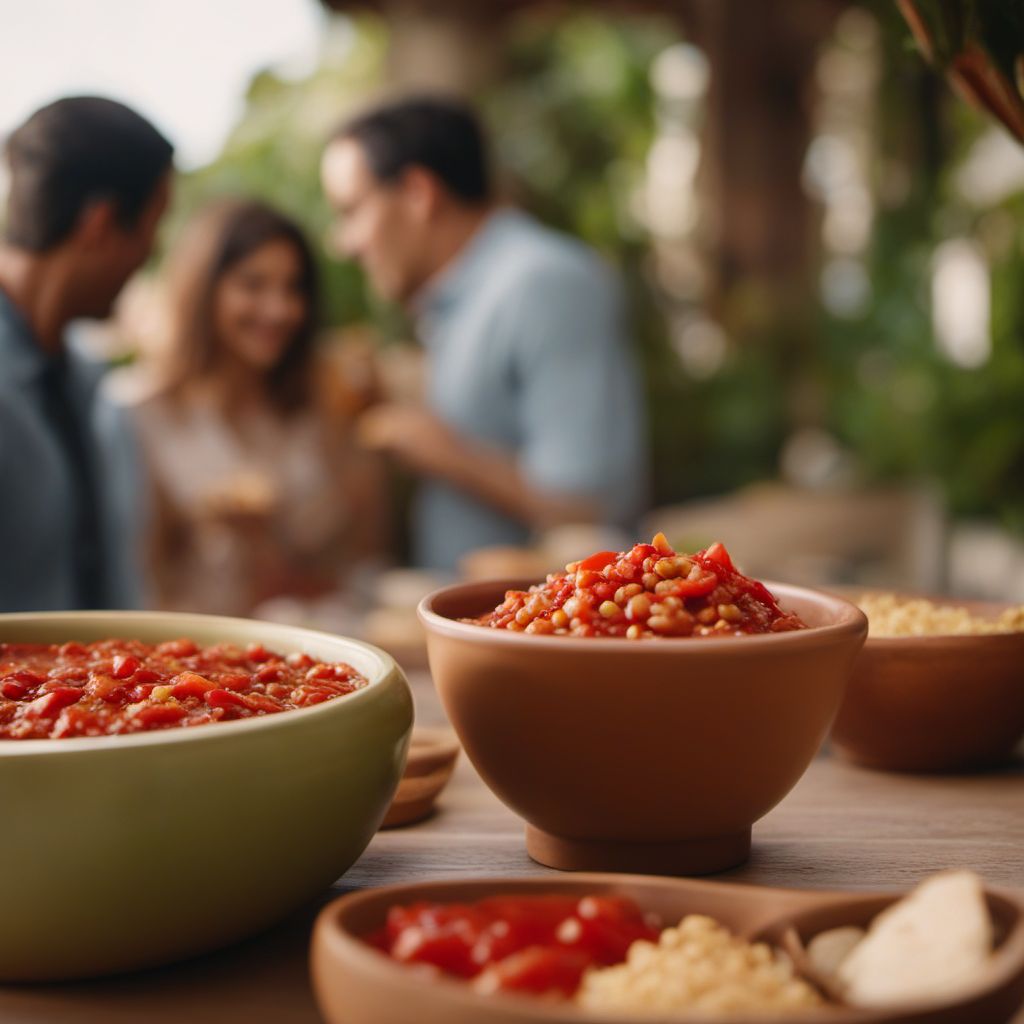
(850, 621)
(959, 640)
(385, 670)
(331, 933)
(977, 605)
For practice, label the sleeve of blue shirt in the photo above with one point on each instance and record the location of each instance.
(582, 426)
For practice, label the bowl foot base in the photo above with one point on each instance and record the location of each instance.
(683, 857)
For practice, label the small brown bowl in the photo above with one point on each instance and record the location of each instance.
(935, 703)
(429, 766)
(650, 756)
(356, 984)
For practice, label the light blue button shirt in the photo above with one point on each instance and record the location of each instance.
(527, 351)
(37, 526)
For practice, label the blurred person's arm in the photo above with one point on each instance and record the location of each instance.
(361, 474)
(427, 446)
(582, 456)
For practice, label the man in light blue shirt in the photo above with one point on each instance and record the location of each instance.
(89, 182)
(535, 414)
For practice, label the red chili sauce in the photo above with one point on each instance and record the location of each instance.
(123, 686)
(536, 944)
(648, 591)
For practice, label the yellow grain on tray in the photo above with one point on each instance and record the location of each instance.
(700, 966)
(892, 616)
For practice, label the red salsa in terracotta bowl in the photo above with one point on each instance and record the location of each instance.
(642, 708)
(649, 591)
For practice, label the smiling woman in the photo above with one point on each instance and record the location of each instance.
(246, 434)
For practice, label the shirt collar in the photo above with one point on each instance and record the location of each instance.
(471, 262)
(21, 356)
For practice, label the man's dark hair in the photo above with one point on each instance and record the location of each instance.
(442, 135)
(74, 152)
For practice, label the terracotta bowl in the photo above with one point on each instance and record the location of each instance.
(936, 703)
(122, 852)
(356, 984)
(640, 755)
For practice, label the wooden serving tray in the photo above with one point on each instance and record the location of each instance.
(355, 984)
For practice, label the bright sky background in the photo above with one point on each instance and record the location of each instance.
(184, 64)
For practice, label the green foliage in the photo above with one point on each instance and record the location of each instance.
(274, 154)
(573, 119)
(901, 405)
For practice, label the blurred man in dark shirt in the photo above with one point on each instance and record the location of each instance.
(89, 182)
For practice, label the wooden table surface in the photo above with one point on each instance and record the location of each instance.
(840, 828)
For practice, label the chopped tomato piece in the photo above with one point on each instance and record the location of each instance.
(703, 584)
(237, 680)
(717, 554)
(262, 703)
(125, 665)
(51, 704)
(598, 560)
(224, 699)
(516, 925)
(160, 714)
(13, 689)
(441, 936)
(541, 970)
(105, 687)
(177, 648)
(190, 684)
(607, 927)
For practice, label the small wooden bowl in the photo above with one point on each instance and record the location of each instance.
(356, 984)
(935, 703)
(431, 761)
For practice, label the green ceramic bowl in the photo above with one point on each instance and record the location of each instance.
(124, 852)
